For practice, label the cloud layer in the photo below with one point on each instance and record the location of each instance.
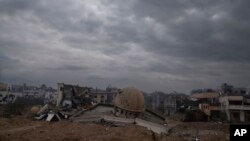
(155, 45)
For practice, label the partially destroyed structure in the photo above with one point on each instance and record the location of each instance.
(237, 108)
(228, 101)
(128, 108)
(130, 103)
(208, 103)
(78, 104)
(75, 95)
(70, 96)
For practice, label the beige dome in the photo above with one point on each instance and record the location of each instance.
(34, 109)
(130, 99)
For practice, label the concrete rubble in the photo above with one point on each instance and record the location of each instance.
(70, 106)
(47, 114)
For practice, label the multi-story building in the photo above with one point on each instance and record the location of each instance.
(237, 108)
(170, 104)
(71, 95)
(111, 94)
(232, 102)
(167, 104)
(157, 101)
(98, 96)
(208, 103)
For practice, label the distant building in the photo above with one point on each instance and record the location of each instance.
(15, 88)
(13, 91)
(3, 87)
(208, 103)
(237, 108)
(170, 105)
(71, 95)
(98, 96)
(157, 102)
(228, 100)
(112, 92)
(226, 89)
(6, 98)
(167, 104)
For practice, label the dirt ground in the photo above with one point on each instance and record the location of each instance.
(22, 129)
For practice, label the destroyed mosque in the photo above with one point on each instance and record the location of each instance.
(118, 107)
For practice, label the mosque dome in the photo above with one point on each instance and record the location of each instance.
(34, 109)
(131, 99)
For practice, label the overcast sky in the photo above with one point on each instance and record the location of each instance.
(164, 45)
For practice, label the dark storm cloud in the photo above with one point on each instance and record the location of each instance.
(13, 6)
(68, 68)
(7, 62)
(166, 45)
(214, 30)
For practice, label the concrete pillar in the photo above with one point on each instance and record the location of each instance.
(242, 116)
(60, 94)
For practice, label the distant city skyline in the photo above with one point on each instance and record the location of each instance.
(162, 45)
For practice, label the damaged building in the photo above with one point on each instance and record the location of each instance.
(128, 108)
(70, 96)
(73, 95)
(208, 103)
(98, 96)
(227, 103)
(237, 108)
(129, 104)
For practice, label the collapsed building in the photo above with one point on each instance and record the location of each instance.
(128, 108)
(70, 96)
(73, 95)
(76, 104)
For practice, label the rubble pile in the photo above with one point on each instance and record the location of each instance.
(128, 108)
(51, 113)
(71, 101)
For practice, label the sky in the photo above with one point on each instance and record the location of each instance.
(163, 45)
